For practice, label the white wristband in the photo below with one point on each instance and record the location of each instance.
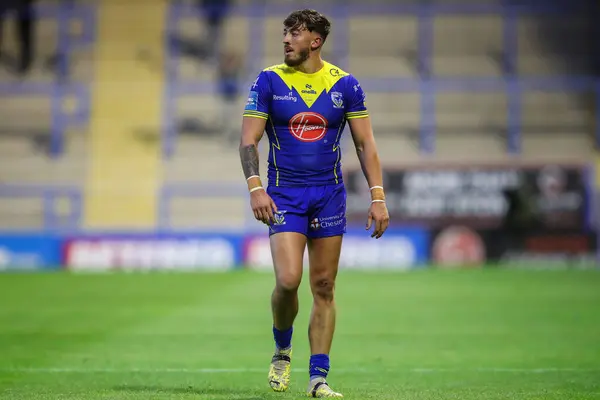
(255, 189)
(377, 187)
(253, 176)
(377, 201)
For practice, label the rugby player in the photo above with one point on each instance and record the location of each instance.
(303, 105)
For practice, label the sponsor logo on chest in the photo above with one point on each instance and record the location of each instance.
(287, 97)
(308, 126)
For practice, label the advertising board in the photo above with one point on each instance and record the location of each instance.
(476, 196)
(29, 251)
(153, 252)
(459, 246)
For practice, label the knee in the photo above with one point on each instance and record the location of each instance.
(288, 283)
(323, 288)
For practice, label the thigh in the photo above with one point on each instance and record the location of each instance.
(288, 235)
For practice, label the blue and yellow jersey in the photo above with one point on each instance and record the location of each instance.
(306, 115)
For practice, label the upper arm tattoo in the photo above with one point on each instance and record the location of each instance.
(249, 158)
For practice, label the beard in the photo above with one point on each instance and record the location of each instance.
(295, 60)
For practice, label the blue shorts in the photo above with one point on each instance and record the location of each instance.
(314, 211)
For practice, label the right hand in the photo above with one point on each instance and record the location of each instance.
(263, 206)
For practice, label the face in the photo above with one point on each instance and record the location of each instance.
(297, 44)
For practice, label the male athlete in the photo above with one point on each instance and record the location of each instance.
(303, 105)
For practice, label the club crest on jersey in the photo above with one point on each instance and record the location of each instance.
(308, 126)
(338, 100)
(279, 217)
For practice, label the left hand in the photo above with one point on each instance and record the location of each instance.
(378, 212)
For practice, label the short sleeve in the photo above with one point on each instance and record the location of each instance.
(356, 105)
(258, 102)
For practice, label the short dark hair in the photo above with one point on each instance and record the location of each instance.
(313, 20)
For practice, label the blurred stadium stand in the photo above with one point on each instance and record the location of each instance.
(469, 81)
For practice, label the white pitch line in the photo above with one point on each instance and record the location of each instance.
(67, 370)
(508, 370)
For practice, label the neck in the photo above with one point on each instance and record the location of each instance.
(313, 64)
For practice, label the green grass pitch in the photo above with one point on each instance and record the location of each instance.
(483, 334)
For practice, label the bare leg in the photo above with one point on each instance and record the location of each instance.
(287, 249)
(324, 255)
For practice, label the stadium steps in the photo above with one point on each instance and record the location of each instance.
(209, 212)
(235, 31)
(45, 47)
(566, 145)
(191, 30)
(468, 111)
(479, 146)
(466, 66)
(382, 46)
(25, 116)
(196, 160)
(206, 109)
(124, 169)
(21, 213)
(469, 46)
(551, 111)
(467, 34)
(21, 164)
(381, 35)
(22, 118)
(192, 71)
(25, 112)
(555, 45)
(466, 46)
(556, 125)
(388, 66)
(548, 65)
(394, 113)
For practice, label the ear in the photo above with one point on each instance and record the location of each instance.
(316, 43)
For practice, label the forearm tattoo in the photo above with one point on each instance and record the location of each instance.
(249, 157)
